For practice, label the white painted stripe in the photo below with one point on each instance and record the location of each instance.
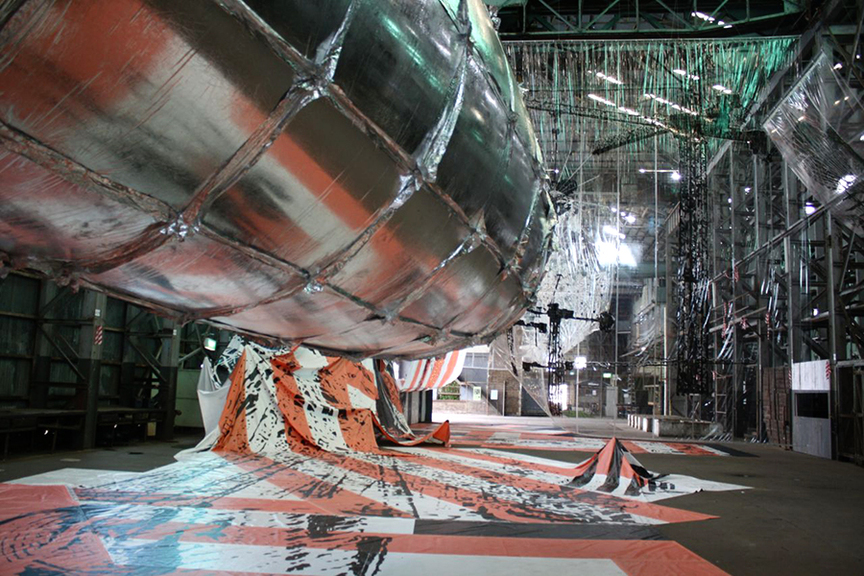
(278, 560)
(504, 438)
(455, 370)
(211, 477)
(497, 467)
(552, 501)
(229, 557)
(578, 444)
(250, 518)
(711, 450)
(77, 478)
(360, 400)
(399, 497)
(656, 447)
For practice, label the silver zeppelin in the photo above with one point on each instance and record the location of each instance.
(358, 176)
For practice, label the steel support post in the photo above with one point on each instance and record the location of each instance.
(836, 325)
(169, 360)
(90, 361)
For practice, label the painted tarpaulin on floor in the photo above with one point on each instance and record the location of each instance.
(296, 484)
(515, 437)
(308, 511)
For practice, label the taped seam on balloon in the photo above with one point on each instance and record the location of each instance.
(253, 252)
(173, 313)
(468, 245)
(519, 253)
(328, 52)
(435, 142)
(408, 185)
(20, 143)
(259, 27)
(281, 294)
(344, 104)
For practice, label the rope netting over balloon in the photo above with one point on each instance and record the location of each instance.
(615, 121)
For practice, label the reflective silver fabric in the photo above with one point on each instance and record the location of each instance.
(357, 175)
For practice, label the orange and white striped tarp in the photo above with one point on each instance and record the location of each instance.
(304, 396)
(296, 485)
(432, 373)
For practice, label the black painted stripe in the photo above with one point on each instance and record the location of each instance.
(514, 530)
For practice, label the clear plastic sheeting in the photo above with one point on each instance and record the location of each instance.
(575, 281)
(362, 177)
(819, 129)
(613, 120)
(211, 397)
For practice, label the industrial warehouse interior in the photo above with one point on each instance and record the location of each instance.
(431, 287)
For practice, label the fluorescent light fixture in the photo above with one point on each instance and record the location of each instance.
(815, 311)
(809, 208)
(607, 375)
(580, 362)
(630, 219)
(801, 118)
(602, 100)
(674, 105)
(210, 344)
(676, 176)
(642, 170)
(610, 79)
(838, 66)
(747, 189)
(845, 183)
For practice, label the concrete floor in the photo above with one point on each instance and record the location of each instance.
(803, 515)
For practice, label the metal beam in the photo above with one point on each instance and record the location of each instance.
(562, 18)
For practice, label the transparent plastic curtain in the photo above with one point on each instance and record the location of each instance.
(575, 281)
(819, 129)
(584, 95)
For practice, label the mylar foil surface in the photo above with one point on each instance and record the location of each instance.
(360, 176)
